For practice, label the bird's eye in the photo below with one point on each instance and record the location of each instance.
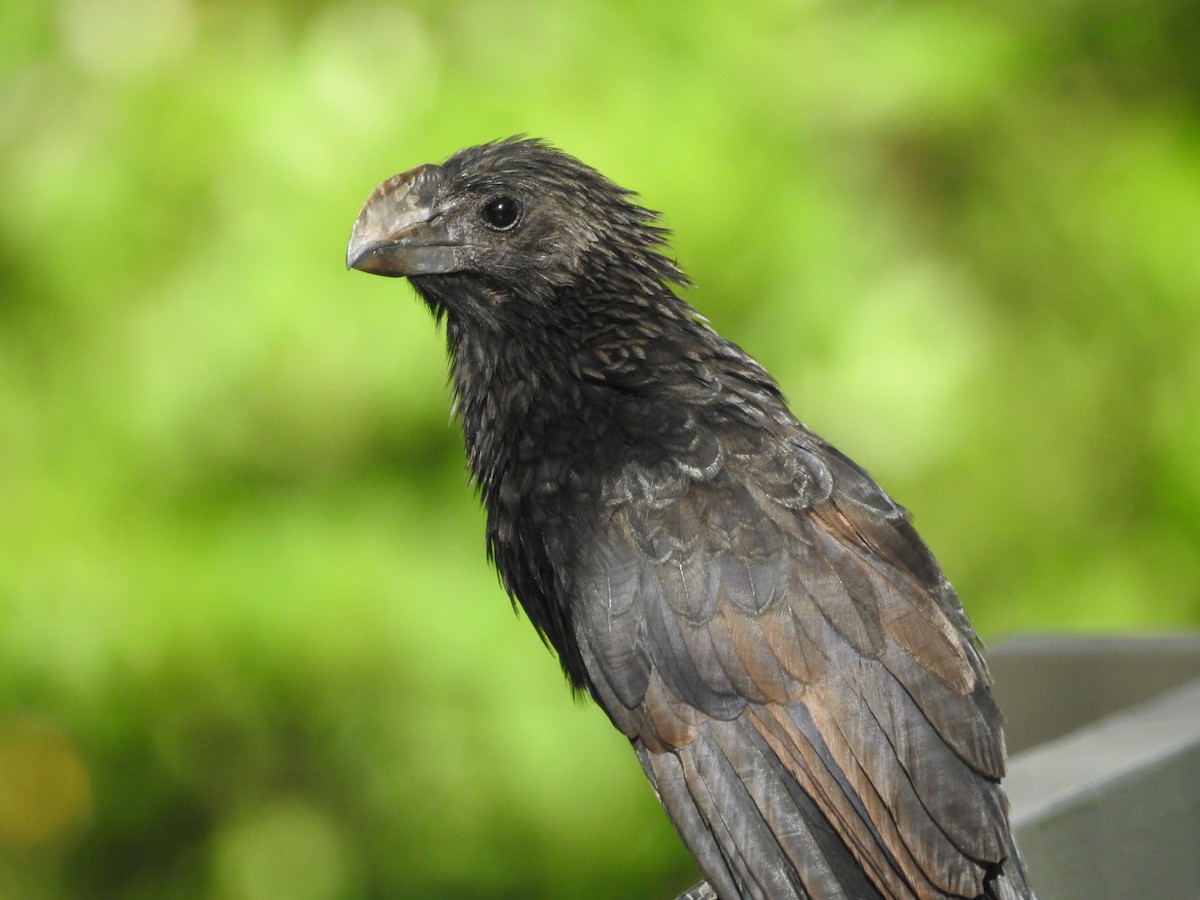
(500, 213)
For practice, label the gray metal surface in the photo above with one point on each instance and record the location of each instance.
(1110, 809)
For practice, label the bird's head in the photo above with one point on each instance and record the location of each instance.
(510, 223)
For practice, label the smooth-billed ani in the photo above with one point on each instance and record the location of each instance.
(796, 675)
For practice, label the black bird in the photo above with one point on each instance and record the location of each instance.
(796, 675)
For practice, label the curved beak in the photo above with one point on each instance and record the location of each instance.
(399, 232)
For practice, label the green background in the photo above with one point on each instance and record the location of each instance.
(249, 644)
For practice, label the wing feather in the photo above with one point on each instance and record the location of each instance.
(801, 686)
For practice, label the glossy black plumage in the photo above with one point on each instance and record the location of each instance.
(795, 674)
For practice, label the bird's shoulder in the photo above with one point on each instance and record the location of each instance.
(748, 570)
(777, 596)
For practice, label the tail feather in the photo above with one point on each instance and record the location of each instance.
(759, 822)
(736, 805)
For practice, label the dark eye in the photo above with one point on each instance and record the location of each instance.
(500, 213)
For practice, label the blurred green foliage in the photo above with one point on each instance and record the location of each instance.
(249, 644)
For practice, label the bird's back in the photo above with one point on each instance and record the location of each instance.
(799, 680)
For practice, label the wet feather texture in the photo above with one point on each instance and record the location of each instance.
(795, 674)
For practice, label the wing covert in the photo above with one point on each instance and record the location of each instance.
(789, 661)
